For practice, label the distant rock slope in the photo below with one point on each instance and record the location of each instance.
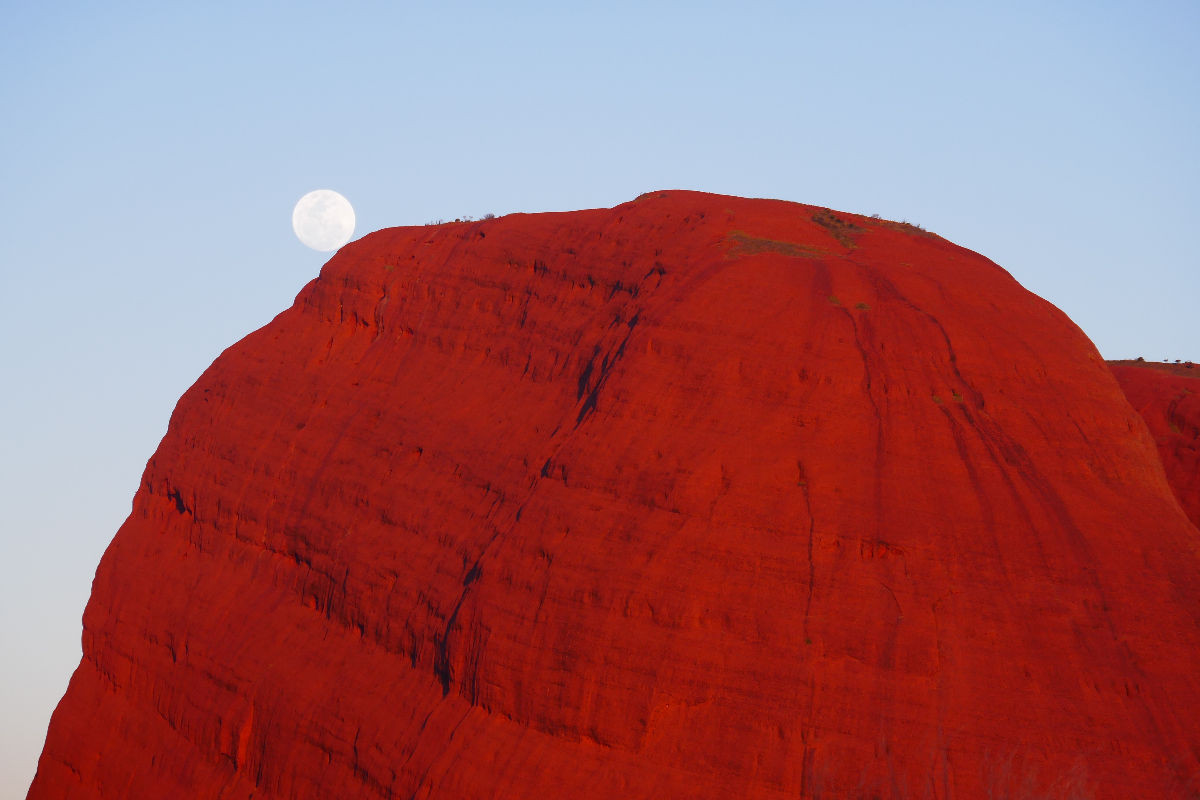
(1168, 398)
(695, 497)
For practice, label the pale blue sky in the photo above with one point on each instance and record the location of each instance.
(151, 153)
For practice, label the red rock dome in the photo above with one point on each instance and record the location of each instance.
(695, 497)
(1168, 398)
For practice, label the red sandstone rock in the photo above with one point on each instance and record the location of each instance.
(1168, 398)
(694, 497)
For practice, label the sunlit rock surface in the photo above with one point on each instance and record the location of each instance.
(695, 497)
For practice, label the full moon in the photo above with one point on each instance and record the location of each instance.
(323, 220)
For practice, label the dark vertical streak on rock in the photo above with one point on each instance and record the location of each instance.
(802, 481)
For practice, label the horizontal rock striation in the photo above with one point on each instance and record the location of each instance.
(695, 497)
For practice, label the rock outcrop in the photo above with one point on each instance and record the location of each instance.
(695, 497)
(1168, 398)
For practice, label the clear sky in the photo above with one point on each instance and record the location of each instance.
(150, 155)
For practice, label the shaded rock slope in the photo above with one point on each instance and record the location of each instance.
(1168, 398)
(695, 497)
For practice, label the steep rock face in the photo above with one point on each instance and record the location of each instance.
(1168, 398)
(697, 496)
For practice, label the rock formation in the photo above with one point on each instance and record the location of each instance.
(1168, 398)
(695, 497)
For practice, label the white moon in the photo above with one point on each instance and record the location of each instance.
(323, 220)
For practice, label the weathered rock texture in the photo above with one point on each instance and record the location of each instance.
(1168, 398)
(696, 497)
